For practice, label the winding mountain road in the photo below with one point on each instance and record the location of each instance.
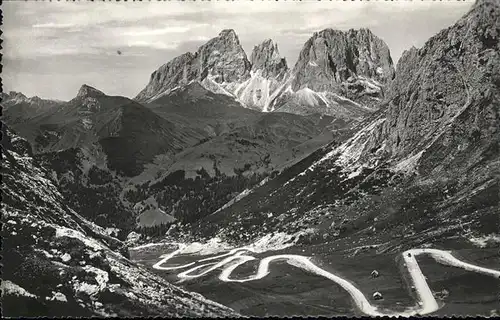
(236, 257)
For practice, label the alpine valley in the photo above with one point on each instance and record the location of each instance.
(238, 185)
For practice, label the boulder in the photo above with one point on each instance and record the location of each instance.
(377, 296)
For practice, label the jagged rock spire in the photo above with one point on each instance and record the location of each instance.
(266, 57)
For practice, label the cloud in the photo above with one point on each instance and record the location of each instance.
(153, 44)
(139, 32)
(52, 25)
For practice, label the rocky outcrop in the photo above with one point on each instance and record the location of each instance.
(12, 97)
(220, 60)
(59, 264)
(221, 66)
(330, 57)
(223, 59)
(176, 72)
(447, 92)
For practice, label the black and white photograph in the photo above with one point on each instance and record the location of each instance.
(243, 158)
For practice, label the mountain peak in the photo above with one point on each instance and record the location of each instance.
(88, 91)
(266, 57)
(230, 35)
(330, 32)
(13, 95)
(227, 33)
(269, 43)
(481, 2)
(361, 30)
(331, 56)
(220, 60)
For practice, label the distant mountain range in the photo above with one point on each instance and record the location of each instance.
(338, 73)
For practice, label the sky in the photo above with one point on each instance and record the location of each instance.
(52, 48)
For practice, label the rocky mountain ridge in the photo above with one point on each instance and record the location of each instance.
(338, 73)
(100, 123)
(26, 107)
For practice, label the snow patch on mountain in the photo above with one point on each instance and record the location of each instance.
(485, 240)
(210, 84)
(70, 233)
(409, 164)
(256, 91)
(351, 151)
(9, 287)
(240, 196)
(274, 241)
(57, 296)
(277, 241)
(150, 245)
(87, 123)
